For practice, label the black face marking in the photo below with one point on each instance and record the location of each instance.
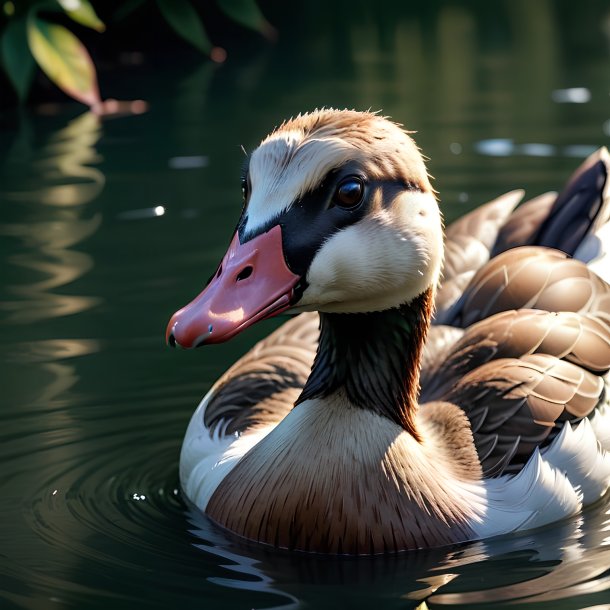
(315, 217)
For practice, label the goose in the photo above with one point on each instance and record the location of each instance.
(432, 388)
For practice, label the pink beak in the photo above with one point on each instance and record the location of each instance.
(253, 282)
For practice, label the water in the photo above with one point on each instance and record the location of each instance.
(107, 227)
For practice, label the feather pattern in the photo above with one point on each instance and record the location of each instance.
(468, 242)
(511, 427)
(533, 278)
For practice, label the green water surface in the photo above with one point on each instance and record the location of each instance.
(107, 227)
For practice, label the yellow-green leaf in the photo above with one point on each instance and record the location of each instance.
(64, 59)
(18, 61)
(185, 21)
(82, 12)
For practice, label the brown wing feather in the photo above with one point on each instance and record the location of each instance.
(578, 338)
(438, 346)
(533, 278)
(468, 241)
(261, 387)
(524, 223)
(515, 405)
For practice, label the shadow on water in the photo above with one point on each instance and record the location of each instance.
(107, 227)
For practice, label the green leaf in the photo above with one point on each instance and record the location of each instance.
(246, 13)
(18, 61)
(82, 12)
(185, 21)
(64, 59)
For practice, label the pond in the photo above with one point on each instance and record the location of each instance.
(107, 227)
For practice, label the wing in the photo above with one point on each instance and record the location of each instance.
(562, 222)
(580, 338)
(517, 405)
(468, 242)
(261, 387)
(518, 375)
(533, 278)
(574, 222)
(439, 342)
(524, 223)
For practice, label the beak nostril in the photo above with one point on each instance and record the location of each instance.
(219, 270)
(171, 340)
(245, 273)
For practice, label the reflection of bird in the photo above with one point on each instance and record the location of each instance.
(512, 423)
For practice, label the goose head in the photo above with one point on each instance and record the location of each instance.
(339, 216)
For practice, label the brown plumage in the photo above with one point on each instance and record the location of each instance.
(366, 461)
(372, 514)
(536, 278)
(262, 387)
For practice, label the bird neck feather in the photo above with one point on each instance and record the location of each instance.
(374, 358)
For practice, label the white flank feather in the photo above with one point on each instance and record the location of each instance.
(537, 495)
(577, 453)
(205, 459)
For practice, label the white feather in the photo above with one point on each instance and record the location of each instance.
(380, 262)
(577, 453)
(284, 167)
(206, 459)
(537, 495)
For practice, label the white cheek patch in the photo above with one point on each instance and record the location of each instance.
(381, 262)
(285, 167)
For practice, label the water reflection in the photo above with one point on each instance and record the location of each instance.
(91, 428)
(552, 564)
(142, 213)
(506, 147)
(60, 170)
(57, 175)
(573, 95)
(49, 356)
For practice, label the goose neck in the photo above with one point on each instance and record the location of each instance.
(374, 358)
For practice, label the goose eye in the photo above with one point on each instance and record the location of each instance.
(349, 192)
